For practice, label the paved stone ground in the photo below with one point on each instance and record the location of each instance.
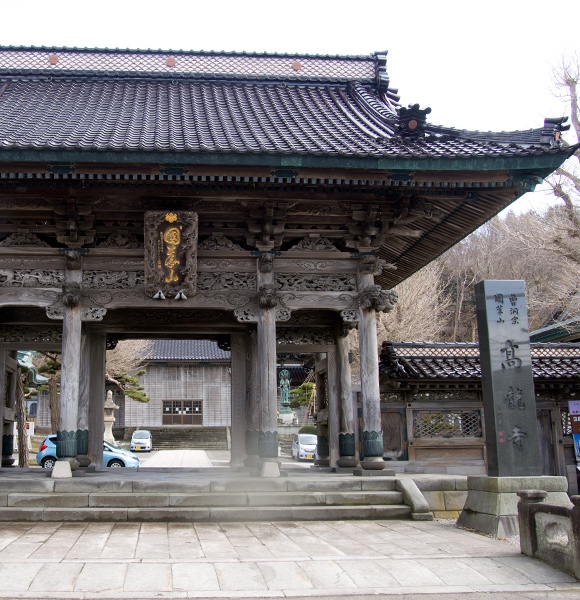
(394, 560)
(195, 459)
(401, 559)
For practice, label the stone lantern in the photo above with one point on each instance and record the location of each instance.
(110, 406)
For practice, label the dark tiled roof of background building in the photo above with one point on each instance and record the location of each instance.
(461, 361)
(187, 350)
(207, 350)
(223, 103)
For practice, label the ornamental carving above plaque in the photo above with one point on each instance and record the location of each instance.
(170, 254)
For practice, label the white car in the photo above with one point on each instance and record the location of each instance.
(304, 446)
(142, 440)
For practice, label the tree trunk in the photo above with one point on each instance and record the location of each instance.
(53, 403)
(22, 432)
(458, 307)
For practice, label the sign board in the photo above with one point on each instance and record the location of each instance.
(574, 409)
(29, 431)
(507, 381)
(170, 254)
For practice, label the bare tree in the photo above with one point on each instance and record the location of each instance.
(515, 247)
(566, 181)
(23, 459)
(125, 364)
(420, 312)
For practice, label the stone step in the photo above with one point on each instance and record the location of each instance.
(89, 485)
(227, 499)
(209, 438)
(208, 514)
(190, 445)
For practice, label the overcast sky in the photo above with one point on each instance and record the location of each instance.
(484, 65)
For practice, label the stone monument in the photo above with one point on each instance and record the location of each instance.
(511, 430)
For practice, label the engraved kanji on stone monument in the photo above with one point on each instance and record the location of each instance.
(170, 254)
(507, 380)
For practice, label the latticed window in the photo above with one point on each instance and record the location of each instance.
(566, 423)
(446, 423)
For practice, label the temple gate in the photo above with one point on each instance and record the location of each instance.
(269, 202)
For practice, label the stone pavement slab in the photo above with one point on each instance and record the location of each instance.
(189, 459)
(331, 559)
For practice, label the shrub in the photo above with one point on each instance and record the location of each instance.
(308, 429)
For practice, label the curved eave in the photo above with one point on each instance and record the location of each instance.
(565, 331)
(543, 163)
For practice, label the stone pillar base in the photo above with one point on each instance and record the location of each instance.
(8, 461)
(347, 461)
(83, 460)
(373, 463)
(253, 461)
(492, 502)
(64, 467)
(270, 469)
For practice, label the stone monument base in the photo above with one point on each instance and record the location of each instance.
(270, 468)
(64, 467)
(491, 506)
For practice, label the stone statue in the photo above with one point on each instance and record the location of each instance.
(286, 415)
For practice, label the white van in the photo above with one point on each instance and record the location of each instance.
(304, 446)
(141, 440)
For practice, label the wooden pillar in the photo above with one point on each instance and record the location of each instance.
(8, 389)
(97, 350)
(268, 382)
(346, 440)
(66, 436)
(369, 375)
(333, 407)
(253, 399)
(322, 446)
(239, 395)
(84, 397)
(268, 444)
(70, 372)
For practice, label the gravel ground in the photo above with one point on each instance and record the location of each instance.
(514, 540)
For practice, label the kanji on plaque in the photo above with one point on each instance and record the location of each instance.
(170, 254)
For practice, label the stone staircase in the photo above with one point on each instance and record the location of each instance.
(204, 438)
(162, 497)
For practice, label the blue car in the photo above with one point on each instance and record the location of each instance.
(112, 457)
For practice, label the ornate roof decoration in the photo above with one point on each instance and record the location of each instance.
(120, 240)
(314, 245)
(218, 241)
(251, 65)
(23, 239)
(412, 121)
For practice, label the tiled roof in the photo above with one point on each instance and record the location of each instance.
(231, 103)
(297, 373)
(461, 361)
(207, 350)
(187, 350)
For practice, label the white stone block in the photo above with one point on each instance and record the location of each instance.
(61, 470)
